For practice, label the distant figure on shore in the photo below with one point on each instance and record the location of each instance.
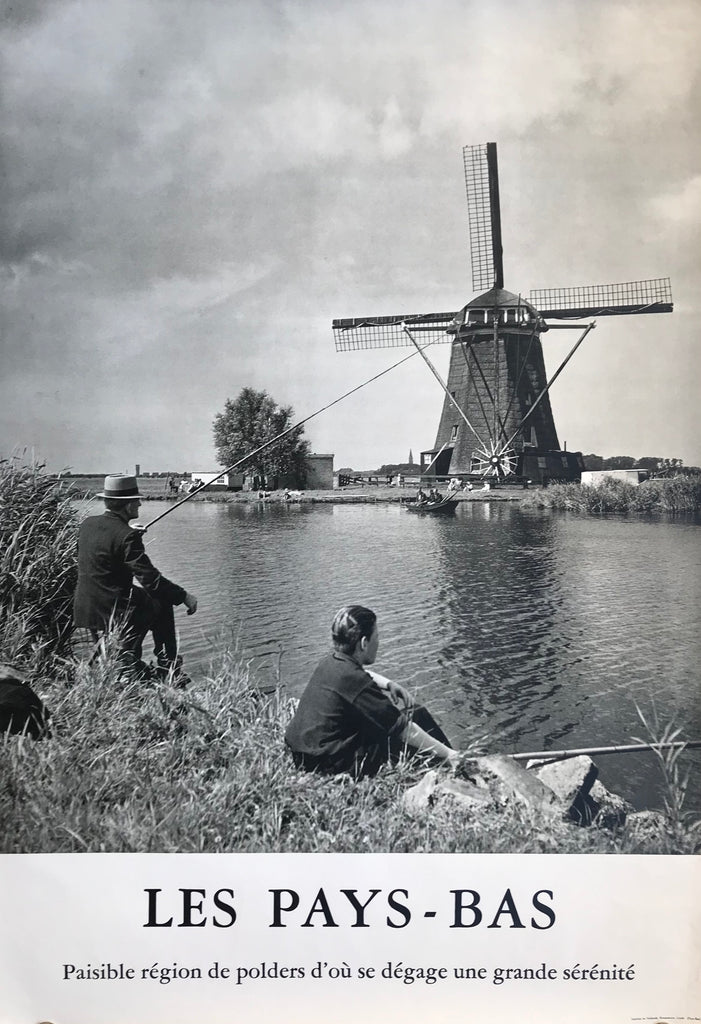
(468, 486)
(350, 719)
(111, 557)
(454, 485)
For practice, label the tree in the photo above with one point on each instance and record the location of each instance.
(650, 462)
(250, 420)
(619, 462)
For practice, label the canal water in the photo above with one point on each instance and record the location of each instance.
(533, 630)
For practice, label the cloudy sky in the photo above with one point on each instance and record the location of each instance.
(192, 191)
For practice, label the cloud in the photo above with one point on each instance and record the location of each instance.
(681, 206)
(195, 190)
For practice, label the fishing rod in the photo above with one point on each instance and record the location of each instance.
(630, 748)
(274, 440)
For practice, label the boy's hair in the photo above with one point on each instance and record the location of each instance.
(350, 625)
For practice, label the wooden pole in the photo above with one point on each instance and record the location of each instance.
(630, 748)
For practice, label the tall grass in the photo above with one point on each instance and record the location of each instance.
(679, 822)
(617, 497)
(138, 768)
(37, 564)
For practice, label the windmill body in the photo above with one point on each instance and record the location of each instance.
(497, 419)
(496, 373)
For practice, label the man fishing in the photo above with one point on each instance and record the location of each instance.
(111, 557)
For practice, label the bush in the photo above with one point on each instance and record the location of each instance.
(38, 572)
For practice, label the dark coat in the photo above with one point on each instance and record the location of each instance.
(21, 710)
(111, 556)
(344, 721)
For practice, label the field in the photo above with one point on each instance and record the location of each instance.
(149, 486)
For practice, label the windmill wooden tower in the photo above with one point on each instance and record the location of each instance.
(496, 419)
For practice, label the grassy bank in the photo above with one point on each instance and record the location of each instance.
(148, 768)
(140, 767)
(616, 497)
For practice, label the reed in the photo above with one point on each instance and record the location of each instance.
(37, 564)
(617, 497)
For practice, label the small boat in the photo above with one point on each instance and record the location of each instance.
(444, 507)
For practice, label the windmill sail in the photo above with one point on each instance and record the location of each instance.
(356, 333)
(651, 296)
(484, 214)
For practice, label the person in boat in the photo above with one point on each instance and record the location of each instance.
(111, 557)
(351, 720)
(435, 495)
(421, 496)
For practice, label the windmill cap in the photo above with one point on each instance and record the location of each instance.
(123, 488)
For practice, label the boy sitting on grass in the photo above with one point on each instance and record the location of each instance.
(352, 720)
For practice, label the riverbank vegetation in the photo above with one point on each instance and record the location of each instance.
(140, 768)
(37, 564)
(672, 495)
(146, 767)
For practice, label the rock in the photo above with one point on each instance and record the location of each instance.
(515, 782)
(566, 789)
(417, 800)
(434, 791)
(464, 793)
(646, 828)
(611, 810)
(572, 780)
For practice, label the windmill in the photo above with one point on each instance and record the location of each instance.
(497, 420)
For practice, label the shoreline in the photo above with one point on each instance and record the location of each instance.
(372, 495)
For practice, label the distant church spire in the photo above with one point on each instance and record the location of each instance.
(411, 458)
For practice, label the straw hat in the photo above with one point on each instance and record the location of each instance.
(124, 488)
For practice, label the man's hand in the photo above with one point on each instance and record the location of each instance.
(190, 603)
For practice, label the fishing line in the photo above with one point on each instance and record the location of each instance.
(278, 437)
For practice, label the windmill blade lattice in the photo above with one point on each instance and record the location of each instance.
(355, 333)
(651, 296)
(484, 215)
